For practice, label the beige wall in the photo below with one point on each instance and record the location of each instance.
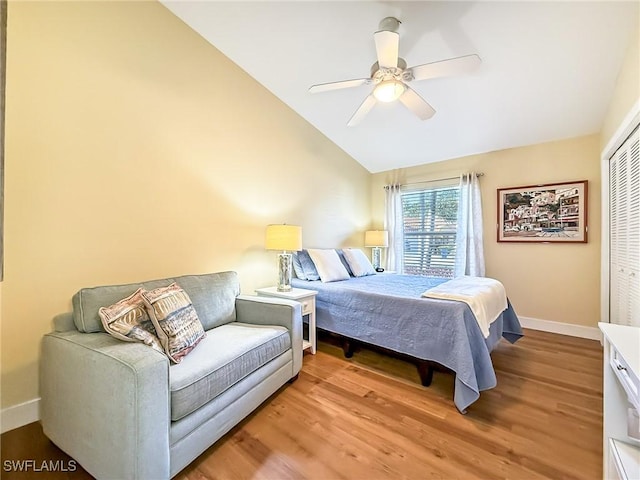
(135, 150)
(626, 92)
(129, 159)
(557, 282)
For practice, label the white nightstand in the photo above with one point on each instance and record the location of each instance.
(308, 300)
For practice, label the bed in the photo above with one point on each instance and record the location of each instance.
(387, 311)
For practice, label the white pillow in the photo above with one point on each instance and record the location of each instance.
(358, 262)
(328, 264)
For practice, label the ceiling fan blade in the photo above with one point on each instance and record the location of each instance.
(387, 48)
(445, 68)
(417, 104)
(325, 87)
(362, 111)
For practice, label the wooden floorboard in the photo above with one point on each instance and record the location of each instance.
(368, 417)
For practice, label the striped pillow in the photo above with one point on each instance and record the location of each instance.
(175, 319)
(129, 320)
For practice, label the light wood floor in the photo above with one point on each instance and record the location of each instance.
(369, 418)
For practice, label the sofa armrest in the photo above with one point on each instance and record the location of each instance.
(274, 311)
(64, 323)
(106, 403)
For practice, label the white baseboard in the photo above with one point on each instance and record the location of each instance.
(592, 333)
(19, 415)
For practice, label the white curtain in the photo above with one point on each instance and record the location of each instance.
(393, 225)
(469, 248)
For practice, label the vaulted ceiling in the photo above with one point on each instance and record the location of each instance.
(548, 68)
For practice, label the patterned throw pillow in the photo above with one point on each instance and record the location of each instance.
(175, 319)
(129, 320)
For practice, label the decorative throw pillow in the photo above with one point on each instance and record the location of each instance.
(129, 320)
(329, 266)
(309, 268)
(175, 319)
(359, 263)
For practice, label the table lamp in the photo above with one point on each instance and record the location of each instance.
(285, 238)
(376, 239)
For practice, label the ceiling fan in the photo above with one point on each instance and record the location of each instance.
(391, 76)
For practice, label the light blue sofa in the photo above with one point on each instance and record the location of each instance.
(122, 411)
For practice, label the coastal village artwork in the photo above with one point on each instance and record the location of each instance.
(543, 213)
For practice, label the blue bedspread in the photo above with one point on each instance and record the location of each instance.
(386, 310)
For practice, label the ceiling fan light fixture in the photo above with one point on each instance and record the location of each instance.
(389, 90)
(389, 74)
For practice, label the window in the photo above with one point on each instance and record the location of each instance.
(429, 225)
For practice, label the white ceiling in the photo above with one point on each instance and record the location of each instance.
(548, 68)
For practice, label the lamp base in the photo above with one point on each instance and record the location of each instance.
(285, 263)
(375, 257)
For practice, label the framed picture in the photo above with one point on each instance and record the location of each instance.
(554, 213)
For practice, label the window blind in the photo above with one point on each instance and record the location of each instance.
(429, 227)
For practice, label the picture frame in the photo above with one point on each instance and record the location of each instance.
(548, 213)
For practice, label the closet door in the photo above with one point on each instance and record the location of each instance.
(633, 243)
(624, 228)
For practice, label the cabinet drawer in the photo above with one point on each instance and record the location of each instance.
(627, 378)
(307, 305)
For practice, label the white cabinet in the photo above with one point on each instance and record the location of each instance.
(623, 461)
(621, 401)
(624, 233)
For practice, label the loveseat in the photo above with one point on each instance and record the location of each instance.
(123, 410)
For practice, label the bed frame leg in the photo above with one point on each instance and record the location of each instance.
(425, 370)
(347, 348)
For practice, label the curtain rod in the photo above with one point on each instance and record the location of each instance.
(439, 180)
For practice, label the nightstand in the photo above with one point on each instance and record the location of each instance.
(308, 300)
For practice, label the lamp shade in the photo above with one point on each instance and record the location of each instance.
(283, 237)
(376, 238)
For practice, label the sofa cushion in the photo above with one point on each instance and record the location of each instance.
(213, 296)
(175, 319)
(224, 357)
(129, 320)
